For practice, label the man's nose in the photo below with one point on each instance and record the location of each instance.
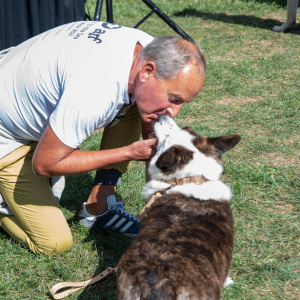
(173, 110)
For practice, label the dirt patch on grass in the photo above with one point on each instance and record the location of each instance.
(278, 15)
(293, 140)
(288, 209)
(278, 160)
(239, 101)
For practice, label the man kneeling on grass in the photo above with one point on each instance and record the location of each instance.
(56, 89)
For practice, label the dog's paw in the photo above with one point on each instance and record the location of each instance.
(283, 27)
(277, 29)
(227, 282)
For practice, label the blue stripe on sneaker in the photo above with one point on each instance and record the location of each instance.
(112, 220)
(126, 226)
(119, 223)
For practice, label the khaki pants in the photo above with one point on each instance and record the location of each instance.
(37, 220)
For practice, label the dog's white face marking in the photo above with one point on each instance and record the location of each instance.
(169, 134)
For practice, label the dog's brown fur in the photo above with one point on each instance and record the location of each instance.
(184, 247)
(179, 250)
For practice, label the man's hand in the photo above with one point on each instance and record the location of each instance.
(143, 150)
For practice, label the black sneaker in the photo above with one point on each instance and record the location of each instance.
(116, 218)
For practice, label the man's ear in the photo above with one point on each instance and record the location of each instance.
(147, 71)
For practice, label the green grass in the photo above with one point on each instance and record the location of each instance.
(251, 88)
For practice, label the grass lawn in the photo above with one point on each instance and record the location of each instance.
(252, 88)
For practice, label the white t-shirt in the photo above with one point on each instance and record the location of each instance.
(74, 77)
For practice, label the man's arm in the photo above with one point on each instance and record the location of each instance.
(52, 157)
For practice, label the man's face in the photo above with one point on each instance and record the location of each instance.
(154, 97)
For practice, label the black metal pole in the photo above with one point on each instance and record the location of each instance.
(154, 9)
(144, 19)
(166, 19)
(98, 10)
(109, 11)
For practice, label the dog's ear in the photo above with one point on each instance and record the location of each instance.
(224, 143)
(173, 159)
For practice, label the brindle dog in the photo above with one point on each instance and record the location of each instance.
(185, 244)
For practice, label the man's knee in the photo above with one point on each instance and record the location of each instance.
(53, 246)
(63, 245)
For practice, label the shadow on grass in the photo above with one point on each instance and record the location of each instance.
(110, 246)
(244, 20)
(4, 233)
(281, 3)
(77, 191)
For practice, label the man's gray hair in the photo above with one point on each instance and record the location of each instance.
(170, 55)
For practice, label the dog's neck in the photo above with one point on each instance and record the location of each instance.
(171, 184)
(196, 186)
(199, 179)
